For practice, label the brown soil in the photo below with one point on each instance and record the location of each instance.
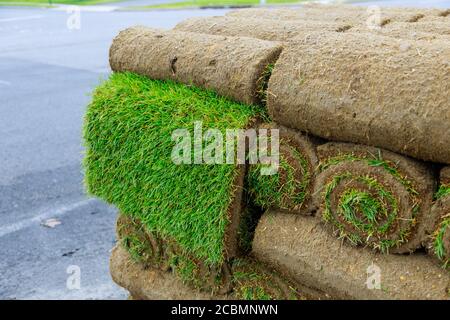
(337, 13)
(366, 89)
(148, 283)
(235, 217)
(301, 248)
(230, 66)
(159, 252)
(258, 28)
(445, 176)
(422, 30)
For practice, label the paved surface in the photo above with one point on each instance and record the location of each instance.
(46, 74)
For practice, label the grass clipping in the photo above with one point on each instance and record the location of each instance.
(128, 137)
(440, 246)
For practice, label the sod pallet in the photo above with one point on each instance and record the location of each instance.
(366, 89)
(231, 66)
(258, 28)
(299, 247)
(374, 197)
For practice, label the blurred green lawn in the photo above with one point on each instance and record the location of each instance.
(187, 3)
(212, 3)
(47, 3)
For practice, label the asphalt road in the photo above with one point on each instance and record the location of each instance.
(46, 74)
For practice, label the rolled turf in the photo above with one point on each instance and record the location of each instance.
(351, 15)
(128, 138)
(308, 254)
(248, 279)
(231, 66)
(374, 197)
(421, 30)
(258, 28)
(291, 187)
(366, 89)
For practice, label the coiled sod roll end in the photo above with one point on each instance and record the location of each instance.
(372, 197)
(290, 187)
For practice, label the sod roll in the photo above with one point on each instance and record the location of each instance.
(249, 279)
(290, 188)
(445, 176)
(258, 28)
(147, 283)
(374, 197)
(230, 66)
(366, 89)
(302, 249)
(351, 15)
(138, 159)
(157, 251)
(437, 27)
(421, 30)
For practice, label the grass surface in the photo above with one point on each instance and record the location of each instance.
(282, 190)
(442, 192)
(439, 245)
(211, 3)
(127, 132)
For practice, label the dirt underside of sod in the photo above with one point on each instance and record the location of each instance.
(128, 133)
(247, 278)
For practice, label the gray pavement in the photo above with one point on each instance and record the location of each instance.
(46, 74)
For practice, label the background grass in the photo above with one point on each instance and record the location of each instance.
(127, 133)
(212, 3)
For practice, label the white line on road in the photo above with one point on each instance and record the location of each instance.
(22, 18)
(43, 215)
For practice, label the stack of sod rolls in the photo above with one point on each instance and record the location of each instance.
(385, 104)
(367, 82)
